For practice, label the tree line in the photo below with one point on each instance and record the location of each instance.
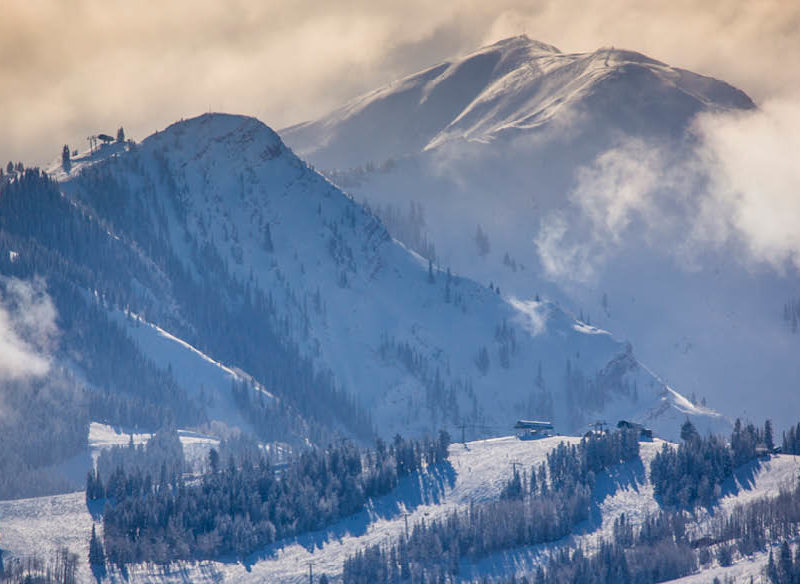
(114, 229)
(791, 440)
(245, 503)
(661, 549)
(784, 569)
(692, 474)
(538, 508)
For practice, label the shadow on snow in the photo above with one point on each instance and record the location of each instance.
(418, 489)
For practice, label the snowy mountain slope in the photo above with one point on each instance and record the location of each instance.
(420, 348)
(477, 473)
(204, 379)
(583, 174)
(514, 85)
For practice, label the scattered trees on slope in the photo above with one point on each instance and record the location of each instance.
(539, 509)
(246, 503)
(661, 548)
(791, 440)
(59, 568)
(693, 473)
(90, 272)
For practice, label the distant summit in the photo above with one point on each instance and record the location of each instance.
(516, 84)
(522, 42)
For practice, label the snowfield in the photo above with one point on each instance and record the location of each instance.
(476, 472)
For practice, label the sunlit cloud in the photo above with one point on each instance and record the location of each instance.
(72, 68)
(736, 184)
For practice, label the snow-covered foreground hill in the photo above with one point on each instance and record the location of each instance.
(589, 179)
(476, 472)
(304, 268)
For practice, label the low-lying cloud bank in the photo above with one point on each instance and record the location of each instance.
(27, 329)
(753, 161)
(738, 185)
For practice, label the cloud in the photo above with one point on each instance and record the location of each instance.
(75, 67)
(744, 43)
(27, 329)
(751, 159)
(617, 186)
(735, 186)
(562, 257)
(615, 200)
(530, 315)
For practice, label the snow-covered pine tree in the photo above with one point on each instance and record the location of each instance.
(66, 160)
(97, 555)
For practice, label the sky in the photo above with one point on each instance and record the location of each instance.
(71, 68)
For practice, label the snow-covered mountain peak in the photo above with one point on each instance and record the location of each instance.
(512, 51)
(217, 135)
(516, 84)
(235, 210)
(211, 135)
(522, 41)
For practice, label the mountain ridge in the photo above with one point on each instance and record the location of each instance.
(514, 84)
(227, 184)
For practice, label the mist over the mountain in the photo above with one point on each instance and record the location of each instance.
(738, 179)
(633, 191)
(71, 68)
(754, 176)
(27, 329)
(523, 314)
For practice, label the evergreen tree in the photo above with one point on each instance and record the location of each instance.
(688, 431)
(785, 571)
(66, 160)
(213, 460)
(120, 135)
(772, 570)
(268, 239)
(769, 440)
(482, 241)
(97, 556)
(482, 360)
